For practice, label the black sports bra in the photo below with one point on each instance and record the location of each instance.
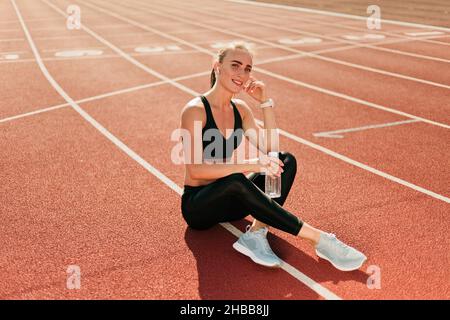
(221, 148)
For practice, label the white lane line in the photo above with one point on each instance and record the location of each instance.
(303, 40)
(374, 46)
(134, 54)
(336, 14)
(112, 93)
(285, 133)
(86, 116)
(29, 20)
(93, 98)
(316, 287)
(426, 33)
(9, 40)
(280, 46)
(78, 53)
(393, 33)
(269, 73)
(102, 96)
(363, 166)
(125, 55)
(334, 134)
(9, 56)
(23, 115)
(61, 49)
(102, 57)
(346, 97)
(10, 30)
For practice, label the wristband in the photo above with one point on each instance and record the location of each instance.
(267, 103)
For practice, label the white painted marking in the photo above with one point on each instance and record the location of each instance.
(102, 96)
(123, 54)
(316, 88)
(361, 44)
(306, 40)
(270, 60)
(9, 40)
(426, 33)
(84, 114)
(149, 49)
(10, 57)
(218, 45)
(346, 97)
(29, 20)
(333, 134)
(362, 165)
(173, 48)
(62, 50)
(367, 36)
(78, 53)
(343, 26)
(334, 14)
(23, 115)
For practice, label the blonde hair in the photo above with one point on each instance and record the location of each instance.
(236, 45)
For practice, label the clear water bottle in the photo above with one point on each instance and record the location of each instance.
(273, 184)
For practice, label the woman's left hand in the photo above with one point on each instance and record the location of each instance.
(256, 89)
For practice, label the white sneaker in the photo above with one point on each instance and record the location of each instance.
(340, 255)
(254, 244)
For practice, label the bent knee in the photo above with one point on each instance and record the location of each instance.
(288, 157)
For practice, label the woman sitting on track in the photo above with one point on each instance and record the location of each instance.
(221, 192)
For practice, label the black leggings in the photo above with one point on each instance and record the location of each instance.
(235, 196)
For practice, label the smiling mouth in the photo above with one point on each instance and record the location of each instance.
(237, 82)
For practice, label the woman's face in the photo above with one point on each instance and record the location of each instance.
(235, 69)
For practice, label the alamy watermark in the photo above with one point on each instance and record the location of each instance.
(374, 20)
(189, 149)
(73, 281)
(74, 19)
(374, 280)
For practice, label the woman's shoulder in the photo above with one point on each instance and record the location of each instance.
(195, 102)
(193, 110)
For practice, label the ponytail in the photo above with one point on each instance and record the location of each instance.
(213, 78)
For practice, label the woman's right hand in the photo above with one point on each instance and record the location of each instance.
(271, 166)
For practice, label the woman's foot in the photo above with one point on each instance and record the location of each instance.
(254, 244)
(341, 256)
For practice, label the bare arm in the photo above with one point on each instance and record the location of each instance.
(264, 139)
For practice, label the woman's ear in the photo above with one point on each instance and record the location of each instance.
(216, 67)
